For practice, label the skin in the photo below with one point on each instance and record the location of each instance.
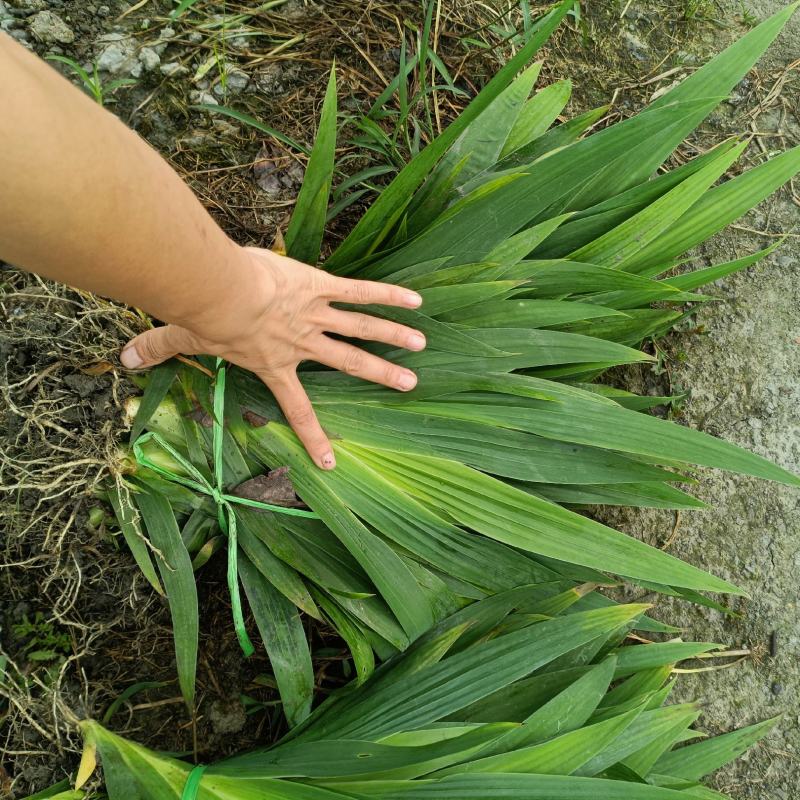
(144, 239)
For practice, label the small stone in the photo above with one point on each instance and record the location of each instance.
(117, 55)
(149, 59)
(204, 98)
(167, 33)
(235, 82)
(195, 37)
(239, 42)
(173, 68)
(638, 49)
(776, 689)
(48, 28)
(103, 11)
(270, 79)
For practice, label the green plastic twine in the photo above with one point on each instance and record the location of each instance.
(192, 785)
(224, 502)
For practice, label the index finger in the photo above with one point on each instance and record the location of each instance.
(346, 290)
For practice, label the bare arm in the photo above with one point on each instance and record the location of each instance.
(85, 201)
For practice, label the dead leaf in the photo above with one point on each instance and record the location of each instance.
(253, 419)
(5, 783)
(200, 416)
(98, 368)
(275, 488)
(278, 244)
(88, 763)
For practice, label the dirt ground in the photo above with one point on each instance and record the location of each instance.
(99, 629)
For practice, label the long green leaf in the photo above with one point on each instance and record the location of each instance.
(178, 577)
(307, 225)
(284, 637)
(696, 760)
(377, 222)
(159, 381)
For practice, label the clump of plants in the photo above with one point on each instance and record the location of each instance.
(448, 543)
(539, 252)
(516, 696)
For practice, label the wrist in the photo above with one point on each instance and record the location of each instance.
(225, 308)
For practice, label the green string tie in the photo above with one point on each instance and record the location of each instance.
(224, 502)
(192, 785)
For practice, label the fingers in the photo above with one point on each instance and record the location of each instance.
(359, 363)
(299, 413)
(157, 345)
(346, 290)
(374, 329)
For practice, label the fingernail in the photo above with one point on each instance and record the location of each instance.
(328, 461)
(406, 381)
(130, 358)
(416, 342)
(412, 299)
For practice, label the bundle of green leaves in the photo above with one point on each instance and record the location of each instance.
(501, 699)
(539, 253)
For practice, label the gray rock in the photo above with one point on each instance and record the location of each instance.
(271, 79)
(203, 97)
(637, 47)
(149, 58)
(49, 28)
(173, 68)
(116, 54)
(236, 81)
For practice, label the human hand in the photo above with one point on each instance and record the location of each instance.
(277, 315)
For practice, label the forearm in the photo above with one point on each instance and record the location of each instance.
(85, 201)
(112, 217)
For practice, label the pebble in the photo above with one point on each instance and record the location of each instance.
(235, 82)
(48, 28)
(205, 98)
(117, 55)
(637, 47)
(149, 58)
(173, 68)
(776, 689)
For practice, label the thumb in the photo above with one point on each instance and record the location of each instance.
(157, 345)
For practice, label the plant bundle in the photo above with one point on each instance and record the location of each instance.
(501, 699)
(539, 252)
